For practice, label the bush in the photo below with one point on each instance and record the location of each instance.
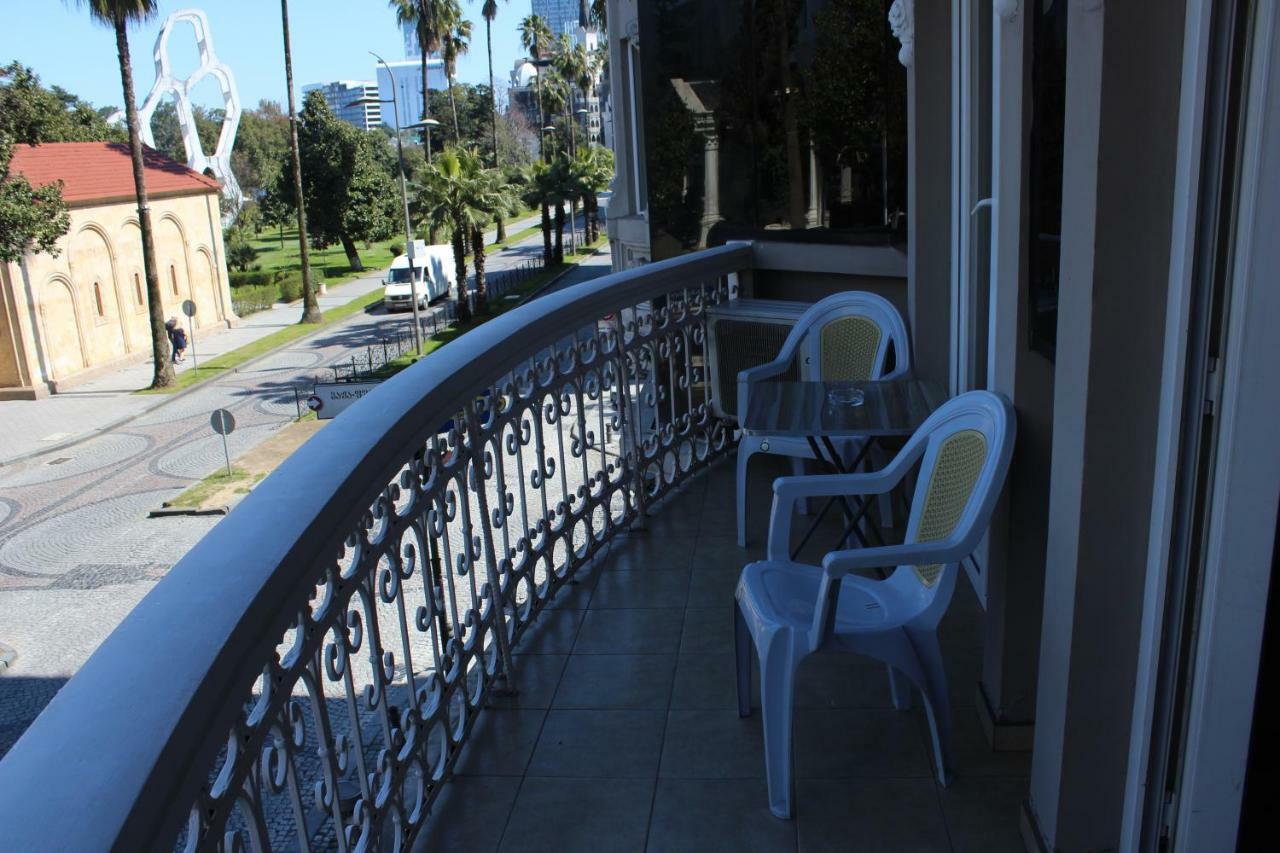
(396, 249)
(255, 278)
(291, 287)
(251, 298)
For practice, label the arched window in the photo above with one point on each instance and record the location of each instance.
(97, 300)
(137, 289)
(173, 278)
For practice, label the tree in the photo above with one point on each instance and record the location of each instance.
(490, 11)
(240, 252)
(31, 114)
(310, 305)
(535, 37)
(461, 194)
(262, 143)
(118, 14)
(31, 219)
(539, 192)
(428, 27)
(347, 191)
(490, 195)
(592, 170)
(455, 41)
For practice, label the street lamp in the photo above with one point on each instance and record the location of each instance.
(426, 123)
(404, 198)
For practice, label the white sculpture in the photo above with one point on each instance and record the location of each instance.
(902, 20)
(219, 163)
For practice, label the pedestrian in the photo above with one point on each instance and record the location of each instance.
(170, 326)
(179, 343)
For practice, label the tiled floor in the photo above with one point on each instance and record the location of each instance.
(625, 735)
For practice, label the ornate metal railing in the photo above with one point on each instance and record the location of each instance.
(306, 676)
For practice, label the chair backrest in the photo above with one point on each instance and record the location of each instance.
(848, 336)
(966, 447)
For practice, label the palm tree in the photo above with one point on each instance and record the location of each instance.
(599, 14)
(425, 17)
(490, 193)
(535, 37)
(455, 40)
(310, 305)
(490, 11)
(118, 14)
(538, 192)
(592, 172)
(449, 197)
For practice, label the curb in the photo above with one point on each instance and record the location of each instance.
(175, 396)
(168, 512)
(7, 657)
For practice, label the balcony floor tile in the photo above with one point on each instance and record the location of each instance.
(578, 816)
(602, 744)
(638, 682)
(698, 815)
(642, 747)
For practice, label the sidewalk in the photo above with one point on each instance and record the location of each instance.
(29, 427)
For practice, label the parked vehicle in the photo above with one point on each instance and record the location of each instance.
(432, 267)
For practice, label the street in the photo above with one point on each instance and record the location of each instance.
(77, 550)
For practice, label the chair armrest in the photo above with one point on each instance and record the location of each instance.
(788, 490)
(759, 373)
(837, 564)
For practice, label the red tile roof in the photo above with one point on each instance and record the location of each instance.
(102, 171)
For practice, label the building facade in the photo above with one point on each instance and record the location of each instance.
(67, 317)
(353, 101)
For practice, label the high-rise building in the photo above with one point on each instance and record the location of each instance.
(353, 101)
(410, 33)
(560, 15)
(404, 83)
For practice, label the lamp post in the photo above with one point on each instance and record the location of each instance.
(428, 123)
(404, 200)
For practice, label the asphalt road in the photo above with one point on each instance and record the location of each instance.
(77, 551)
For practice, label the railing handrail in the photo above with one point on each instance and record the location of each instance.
(122, 750)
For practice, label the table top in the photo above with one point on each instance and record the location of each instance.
(889, 407)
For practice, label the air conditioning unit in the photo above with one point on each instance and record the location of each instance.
(744, 333)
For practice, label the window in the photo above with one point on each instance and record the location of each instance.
(97, 301)
(138, 297)
(173, 278)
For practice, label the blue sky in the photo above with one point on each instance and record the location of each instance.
(330, 42)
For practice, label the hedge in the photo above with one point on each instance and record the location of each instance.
(250, 298)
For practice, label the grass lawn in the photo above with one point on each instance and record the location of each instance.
(330, 264)
(237, 357)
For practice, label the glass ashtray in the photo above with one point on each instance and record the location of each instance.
(847, 396)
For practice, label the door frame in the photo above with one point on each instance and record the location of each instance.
(1242, 501)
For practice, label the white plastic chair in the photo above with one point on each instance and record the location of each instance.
(789, 610)
(843, 337)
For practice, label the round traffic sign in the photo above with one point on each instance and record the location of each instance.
(189, 307)
(222, 421)
(314, 403)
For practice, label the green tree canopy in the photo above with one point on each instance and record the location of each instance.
(31, 114)
(31, 220)
(262, 145)
(349, 195)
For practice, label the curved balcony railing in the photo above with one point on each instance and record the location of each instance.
(306, 676)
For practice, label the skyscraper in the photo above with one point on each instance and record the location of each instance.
(342, 95)
(561, 15)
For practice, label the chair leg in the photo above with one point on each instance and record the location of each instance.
(899, 689)
(937, 700)
(744, 456)
(777, 674)
(742, 651)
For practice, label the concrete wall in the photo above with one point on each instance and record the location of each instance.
(1121, 121)
(86, 308)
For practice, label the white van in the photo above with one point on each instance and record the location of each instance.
(432, 267)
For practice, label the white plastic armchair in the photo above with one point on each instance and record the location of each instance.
(788, 611)
(847, 336)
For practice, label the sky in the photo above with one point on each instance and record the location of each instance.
(331, 40)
